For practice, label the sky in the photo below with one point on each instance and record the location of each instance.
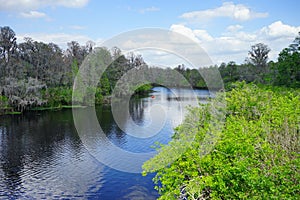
(224, 29)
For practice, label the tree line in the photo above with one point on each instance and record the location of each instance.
(34, 74)
(256, 68)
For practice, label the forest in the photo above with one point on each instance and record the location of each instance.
(34, 74)
(38, 75)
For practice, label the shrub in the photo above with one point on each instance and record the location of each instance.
(256, 156)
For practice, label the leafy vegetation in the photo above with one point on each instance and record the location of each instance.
(256, 156)
(257, 69)
(35, 74)
(37, 67)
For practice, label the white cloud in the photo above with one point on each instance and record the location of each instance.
(179, 28)
(160, 58)
(71, 3)
(203, 35)
(144, 10)
(61, 39)
(161, 47)
(234, 28)
(196, 35)
(228, 9)
(33, 14)
(278, 29)
(149, 9)
(234, 44)
(27, 5)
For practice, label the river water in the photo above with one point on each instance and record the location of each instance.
(42, 156)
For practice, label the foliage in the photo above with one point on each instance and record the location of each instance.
(23, 94)
(144, 88)
(287, 70)
(58, 96)
(256, 156)
(3, 102)
(51, 67)
(105, 85)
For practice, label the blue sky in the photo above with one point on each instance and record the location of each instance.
(225, 29)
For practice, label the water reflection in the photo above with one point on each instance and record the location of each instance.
(41, 155)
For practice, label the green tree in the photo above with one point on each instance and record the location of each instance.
(229, 72)
(105, 85)
(287, 69)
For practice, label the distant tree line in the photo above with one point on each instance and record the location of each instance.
(256, 68)
(35, 74)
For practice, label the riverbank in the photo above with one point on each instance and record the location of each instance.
(61, 98)
(255, 156)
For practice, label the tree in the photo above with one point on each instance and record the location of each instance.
(295, 46)
(89, 46)
(259, 55)
(229, 72)
(116, 53)
(77, 52)
(258, 58)
(287, 70)
(8, 42)
(8, 46)
(24, 93)
(42, 61)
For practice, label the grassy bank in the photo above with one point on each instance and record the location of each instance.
(255, 157)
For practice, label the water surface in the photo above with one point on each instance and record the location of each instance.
(42, 156)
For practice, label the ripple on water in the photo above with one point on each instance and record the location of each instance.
(42, 157)
(63, 175)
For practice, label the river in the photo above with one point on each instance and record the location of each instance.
(42, 156)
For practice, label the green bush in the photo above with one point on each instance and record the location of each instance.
(58, 96)
(3, 102)
(143, 89)
(256, 156)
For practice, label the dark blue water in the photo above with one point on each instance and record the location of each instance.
(42, 156)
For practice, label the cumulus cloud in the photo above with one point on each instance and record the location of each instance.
(179, 28)
(278, 30)
(228, 9)
(28, 5)
(234, 44)
(196, 35)
(33, 14)
(161, 47)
